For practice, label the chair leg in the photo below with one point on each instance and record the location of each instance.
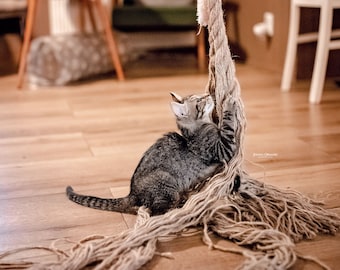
(82, 15)
(322, 53)
(31, 10)
(288, 69)
(91, 15)
(110, 40)
(201, 54)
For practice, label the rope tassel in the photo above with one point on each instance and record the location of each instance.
(262, 219)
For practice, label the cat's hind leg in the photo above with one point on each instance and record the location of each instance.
(164, 201)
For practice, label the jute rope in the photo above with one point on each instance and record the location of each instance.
(263, 218)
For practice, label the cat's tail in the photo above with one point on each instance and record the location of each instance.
(122, 205)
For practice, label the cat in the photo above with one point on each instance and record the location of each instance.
(175, 163)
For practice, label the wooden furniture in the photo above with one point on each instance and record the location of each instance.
(324, 44)
(85, 5)
(128, 16)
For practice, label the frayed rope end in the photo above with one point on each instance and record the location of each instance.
(202, 12)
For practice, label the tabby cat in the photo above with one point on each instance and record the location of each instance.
(176, 163)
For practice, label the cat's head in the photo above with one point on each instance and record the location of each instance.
(192, 110)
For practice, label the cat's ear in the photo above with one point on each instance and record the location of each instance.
(176, 97)
(179, 109)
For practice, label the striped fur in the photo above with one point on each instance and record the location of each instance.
(175, 163)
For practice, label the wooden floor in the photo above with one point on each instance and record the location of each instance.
(91, 136)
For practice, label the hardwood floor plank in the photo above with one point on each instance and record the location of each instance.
(22, 109)
(37, 220)
(319, 182)
(278, 152)
(329, 143)
(52, 176)
(191, 253)
(52, 125)
(32, 195)
(39, 148)
(322, 248)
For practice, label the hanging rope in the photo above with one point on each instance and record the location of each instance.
(263, 218)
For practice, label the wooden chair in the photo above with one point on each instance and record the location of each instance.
(134, 17)
(324, 44)
(85, 5)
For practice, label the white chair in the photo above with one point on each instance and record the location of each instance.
(324, 44)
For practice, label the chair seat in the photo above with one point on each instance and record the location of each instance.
(141, 18)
